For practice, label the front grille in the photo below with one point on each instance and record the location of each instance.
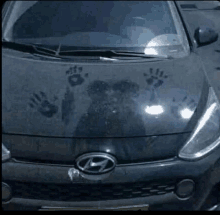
(88, 192)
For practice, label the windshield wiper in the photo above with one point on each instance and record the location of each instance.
(102, 54)
(110, 53)
(30, 48)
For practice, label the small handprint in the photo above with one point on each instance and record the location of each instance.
(74, 76)
(41, 103)
(155, 79)
(186, 102)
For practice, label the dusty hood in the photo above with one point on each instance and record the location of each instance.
(99, 100)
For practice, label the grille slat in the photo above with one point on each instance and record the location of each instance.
(169, 188)
(87, 192)
(146, 188)
(162, 186)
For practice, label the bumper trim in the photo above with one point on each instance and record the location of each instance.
(159, 199)
(133, 207)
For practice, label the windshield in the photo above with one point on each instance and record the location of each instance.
(145, 27)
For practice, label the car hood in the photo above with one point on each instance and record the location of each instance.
(63, 99)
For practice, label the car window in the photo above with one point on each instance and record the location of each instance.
(130, 25)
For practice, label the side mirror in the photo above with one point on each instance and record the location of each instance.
(205, 35)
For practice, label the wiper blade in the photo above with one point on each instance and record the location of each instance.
(102, 54)
(30, 48)
(138, 54)
(110, 53)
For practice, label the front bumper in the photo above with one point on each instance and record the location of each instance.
(96, 205)
(205, 173)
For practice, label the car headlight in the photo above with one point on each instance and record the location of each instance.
(5, 153)
(206, 135)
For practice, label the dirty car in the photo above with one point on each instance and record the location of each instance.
(106, 105)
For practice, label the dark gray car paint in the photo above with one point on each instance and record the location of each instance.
(150, 170)
(98, 100)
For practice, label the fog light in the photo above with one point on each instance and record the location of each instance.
(185, 188)
(6, 192)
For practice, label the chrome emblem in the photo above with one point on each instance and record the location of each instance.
(96, 163)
